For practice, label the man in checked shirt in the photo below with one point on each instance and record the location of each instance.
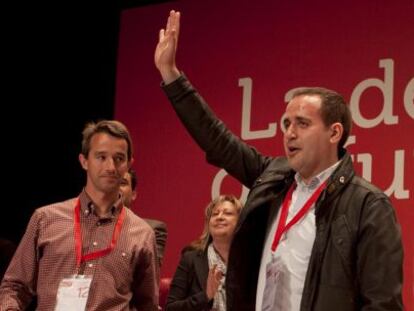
(89, 252)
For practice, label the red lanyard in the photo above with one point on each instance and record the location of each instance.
(78, 238)
(282, 227)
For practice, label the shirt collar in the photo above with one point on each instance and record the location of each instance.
(317, 180)
(88, 206)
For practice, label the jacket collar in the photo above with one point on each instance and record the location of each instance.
(341, 176)
(339, 179)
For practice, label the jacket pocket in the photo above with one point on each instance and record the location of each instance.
(342, 241)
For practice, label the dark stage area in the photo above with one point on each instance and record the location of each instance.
(58, 68)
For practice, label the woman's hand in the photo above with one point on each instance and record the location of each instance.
(213, 282)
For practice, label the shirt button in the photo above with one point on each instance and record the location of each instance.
(95, 243)
(90, 265)
(123, 254)
(98, 223)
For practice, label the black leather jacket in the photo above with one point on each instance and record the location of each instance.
(356, 260)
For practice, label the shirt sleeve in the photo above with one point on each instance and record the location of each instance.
(146, 278)
(19, 283)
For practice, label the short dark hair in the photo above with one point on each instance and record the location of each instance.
(111, 127)
(333, 109)
(134, 178)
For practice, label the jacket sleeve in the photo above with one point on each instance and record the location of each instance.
(221, 146)
(161, 233)
(181, 296)
(19, 286)
(380, 256)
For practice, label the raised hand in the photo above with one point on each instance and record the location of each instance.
(213, 282)
(164, 56)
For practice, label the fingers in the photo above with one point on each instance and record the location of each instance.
(214, 278)
(212, 271)
(164, 56)
(176, 23)
(161, 35)
(173, 23)
(167, 27)
(212, 285)
(217, 274)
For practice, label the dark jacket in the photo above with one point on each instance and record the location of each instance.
(356, 260)
(188, 287)
(161, 233)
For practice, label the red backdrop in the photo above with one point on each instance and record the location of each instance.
(244, 58)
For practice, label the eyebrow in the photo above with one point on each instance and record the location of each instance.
(296, 118)
(102, 152)
(299, 118)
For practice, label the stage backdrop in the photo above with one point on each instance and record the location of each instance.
(245, 58)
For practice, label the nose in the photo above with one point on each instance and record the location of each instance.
(220, 215)
(110, 164)
(290, 132)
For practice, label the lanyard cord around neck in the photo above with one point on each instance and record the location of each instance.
(282, 227)
(78, 238)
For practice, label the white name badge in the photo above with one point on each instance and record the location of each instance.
(73, 293)
(273, 277)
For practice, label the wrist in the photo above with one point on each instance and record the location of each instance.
(170, 75)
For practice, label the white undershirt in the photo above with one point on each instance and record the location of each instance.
(294, 248)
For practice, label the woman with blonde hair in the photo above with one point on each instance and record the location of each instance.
(198, 283)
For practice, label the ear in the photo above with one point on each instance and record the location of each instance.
(336, 132)
(134, 195)
(83, 161)
(130, 163)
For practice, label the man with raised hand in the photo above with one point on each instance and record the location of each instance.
(312, 235)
